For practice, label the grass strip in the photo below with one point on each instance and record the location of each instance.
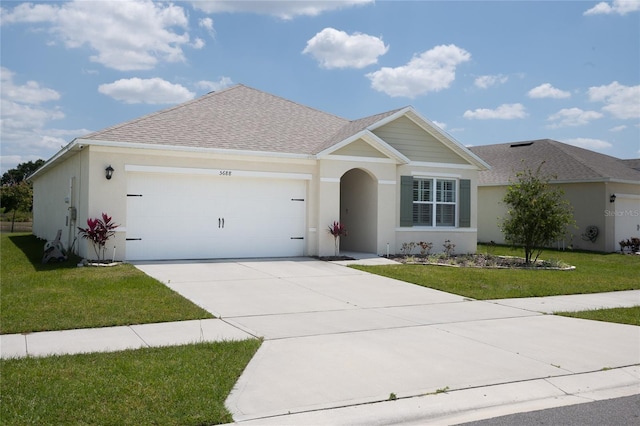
(180, 385)
(594, 273)
(618, 315)
(61, 296)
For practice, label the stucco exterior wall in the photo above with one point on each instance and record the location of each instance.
(591, 207)
(113, 201)
(465, 239)
(55, 193)
(377, 203)
(331, 172)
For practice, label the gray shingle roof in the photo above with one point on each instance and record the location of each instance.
(566, 162)
(238, 118)
(634, 163)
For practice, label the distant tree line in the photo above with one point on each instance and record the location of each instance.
(16, 194)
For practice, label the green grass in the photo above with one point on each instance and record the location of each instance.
(618, 315)
(181, 385)
(60, 296)
(594, 273)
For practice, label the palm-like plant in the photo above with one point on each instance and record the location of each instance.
(337, 230)
(98, 231)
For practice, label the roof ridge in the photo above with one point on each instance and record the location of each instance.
(563, 147)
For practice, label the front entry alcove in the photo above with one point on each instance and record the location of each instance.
(359, 211)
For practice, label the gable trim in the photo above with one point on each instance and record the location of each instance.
(372, 140)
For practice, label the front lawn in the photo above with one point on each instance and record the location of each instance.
(594, 273)
(180, 385)
(618, 315)
(60, 296)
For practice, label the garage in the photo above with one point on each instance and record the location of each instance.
(206, 214)
(627, 217)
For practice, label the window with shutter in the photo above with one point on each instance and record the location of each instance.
(433, 202)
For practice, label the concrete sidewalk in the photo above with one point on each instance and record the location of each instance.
(110, 339)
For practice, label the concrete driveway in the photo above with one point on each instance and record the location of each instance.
(337, 337)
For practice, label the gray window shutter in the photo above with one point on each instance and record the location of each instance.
(465, 204)
(406, 200)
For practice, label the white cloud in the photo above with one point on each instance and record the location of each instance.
(337, 49)
(621, 101)
(29, 93)
(281, 9)
(149, 91)
(486, 81)
(546, 90)
(24, 117)
(198, 43)
(568, 117)
(214, 86)
(621, 7)
(503, 112)
(131, 35)
(431, 71)
(207, 24)
(618, 128)
(587, 143)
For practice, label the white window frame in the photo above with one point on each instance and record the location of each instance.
(433, 201)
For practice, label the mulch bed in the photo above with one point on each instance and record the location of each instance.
(482, 261)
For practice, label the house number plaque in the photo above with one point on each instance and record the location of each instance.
(225, 172)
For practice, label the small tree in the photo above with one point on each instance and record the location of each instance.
(16, 197)
(98, 231)
(337, 230)
(538, 214)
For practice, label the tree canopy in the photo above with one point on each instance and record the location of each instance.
(21, 172)
(537, 215)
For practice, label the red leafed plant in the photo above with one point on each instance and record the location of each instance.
(98, 231)
(337, 230)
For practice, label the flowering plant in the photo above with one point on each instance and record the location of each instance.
(98, 231)
(337, 230)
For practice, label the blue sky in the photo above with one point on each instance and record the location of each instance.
(486, 72)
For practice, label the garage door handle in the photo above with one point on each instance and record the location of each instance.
(297, 238)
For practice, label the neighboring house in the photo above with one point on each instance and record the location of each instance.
(604, 191)
(243, 173)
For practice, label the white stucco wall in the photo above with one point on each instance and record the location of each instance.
(94, 194)
(56, 192)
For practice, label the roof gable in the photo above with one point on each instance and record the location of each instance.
(415, 143)
(567, 163)
(359, 148)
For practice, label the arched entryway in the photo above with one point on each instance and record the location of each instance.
(359, 211)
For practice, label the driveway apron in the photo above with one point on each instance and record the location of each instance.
(336, 336)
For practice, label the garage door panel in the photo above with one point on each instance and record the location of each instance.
(181, 217)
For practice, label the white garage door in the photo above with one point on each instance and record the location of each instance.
(627, 218)
(179, 216)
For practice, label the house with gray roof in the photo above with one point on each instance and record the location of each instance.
(242, 173)
(603, 190)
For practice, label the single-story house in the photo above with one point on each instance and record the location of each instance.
(243, 173)
(603, 190)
